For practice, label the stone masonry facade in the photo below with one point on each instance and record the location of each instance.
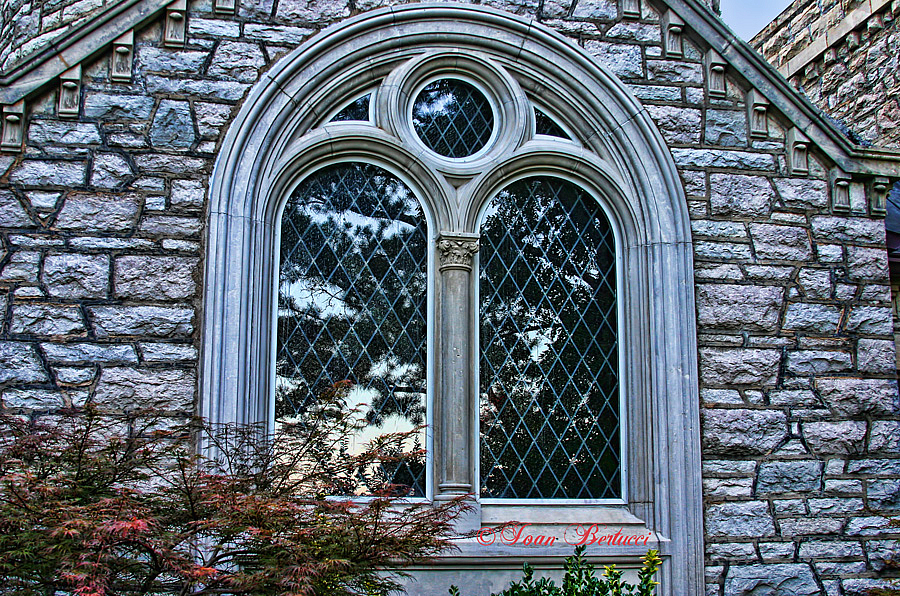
(102, 228)
(844, 57)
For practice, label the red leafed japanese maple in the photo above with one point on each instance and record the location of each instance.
(95, 505)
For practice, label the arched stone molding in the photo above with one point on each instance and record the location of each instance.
(278, 137)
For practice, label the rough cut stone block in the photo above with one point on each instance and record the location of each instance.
(867, 526)
(802, 193)
(741, 366)
(206, 89)
(723, 229)
(47, 320)
(212, 118)
(726, 467)
(187, 194)
(164, 225)
(835, 506)
(809, 527)
(173, 164)
(867, 263)
(99, 212)
(874, 467)
(129, 388)
(32, 172)
(110, 170)
(815, 362)
(848, 229)
(12, 214)
(733, 551)
(789, 477)
(882, 552)
(727, 306)
(722, 250)
(147, 321)
(678, 125)
(89, 353)
(74, 276)
(727, 487)
(117, 107)
(742, 431)
(884, 494)
(280, 34)
(237, 61)
(155, 278)
(786, 243)
(816, 283)
(154, 59)
(857, 397)
(721, 158)
(673, 71)
(872, 320)
(845, 437)
(317, 13)
(595, 9)
(726, 127)
(33, 399)
(173, 125)
(738, 519)
(812, 318)
(213, 27)
(633, 31)
(159, 352)
(732, 194)
(885, 436)
(622, 60)
(771, 580)
(20, 363)
(57, 132)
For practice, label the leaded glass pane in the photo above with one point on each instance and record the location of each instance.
(545, 125)
(453, 118)
(352, 305)
(355, 110)
(549, 405)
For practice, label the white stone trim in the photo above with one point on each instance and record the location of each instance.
(270, 147)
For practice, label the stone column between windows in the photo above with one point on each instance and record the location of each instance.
(456, 401)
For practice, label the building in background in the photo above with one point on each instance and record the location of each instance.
(626, 273)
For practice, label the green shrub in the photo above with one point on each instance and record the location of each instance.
(580, 580)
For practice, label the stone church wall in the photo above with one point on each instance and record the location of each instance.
(102, 223)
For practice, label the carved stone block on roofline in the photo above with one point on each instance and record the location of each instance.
(69, 93)
(797, 152)
(878, 196)
(758, 114)
(225, 6)
(715, 74)
(840, 190)
(673, 29)
(122, 58)
(630, 8)
(457, 251)
(13, 126)
(174, 28)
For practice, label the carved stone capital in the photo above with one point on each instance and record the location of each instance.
(457, 251)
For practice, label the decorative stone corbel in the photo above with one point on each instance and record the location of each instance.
(173, 31)
(715, 74)
(457, 252)
(853, 40)
(878, 196)
(875, 23)
(797, 152)
(225, 6)
(13, 126)
(758, 114)
(673, 28)
(69, 93)
(840, 190)
(122, 57)
(630, 8)
(830, 56)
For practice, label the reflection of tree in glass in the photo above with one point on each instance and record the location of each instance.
(453, 118)
(351, 300)
(549, 368)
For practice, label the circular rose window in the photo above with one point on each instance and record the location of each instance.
(453, 118)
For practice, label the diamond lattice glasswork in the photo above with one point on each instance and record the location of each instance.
(545, 125)
(549, 355)
(352, 304)
(453, 118)
(355, 110)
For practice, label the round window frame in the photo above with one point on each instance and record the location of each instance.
(513, 116)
